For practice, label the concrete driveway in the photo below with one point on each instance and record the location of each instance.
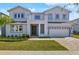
(71, 43)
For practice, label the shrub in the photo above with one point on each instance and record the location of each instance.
(8, 36)
(27, 36)
(16, 36)
(23, 36)
(74, 32)
(12, 36)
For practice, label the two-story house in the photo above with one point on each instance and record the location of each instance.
(53, 22)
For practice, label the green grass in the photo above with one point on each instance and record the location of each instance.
(76, 36)
(31, 45)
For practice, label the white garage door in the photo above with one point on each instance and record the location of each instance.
(58, 32)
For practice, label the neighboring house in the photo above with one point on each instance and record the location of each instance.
(2, 29)
(53, 22)
(75, 25)
(2, 14)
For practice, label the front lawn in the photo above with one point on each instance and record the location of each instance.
(76, 36)
(31, 45)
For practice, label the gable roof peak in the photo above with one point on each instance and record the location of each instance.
(18, 7)
(58, 7)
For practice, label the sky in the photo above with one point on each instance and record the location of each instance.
(38, 7)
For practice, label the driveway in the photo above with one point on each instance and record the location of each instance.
(71, 43)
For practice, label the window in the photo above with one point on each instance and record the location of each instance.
(37, 16)
(64, 16)
(42, 28)
(50, 17)
(12, 28)
(15, 15)
(18, 15)
(57, 16)
(16, 28)
(20, 28)
(22, 15)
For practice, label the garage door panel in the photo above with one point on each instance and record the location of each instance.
(58, 32)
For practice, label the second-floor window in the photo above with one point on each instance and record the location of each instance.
(64, 16)
(18, 15)
(15, 15)
(22, 15)
(50, 16)
(57, 16)
(37, 17)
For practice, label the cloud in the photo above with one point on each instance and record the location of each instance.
(56, 4)
(49, 4)
(33, 9)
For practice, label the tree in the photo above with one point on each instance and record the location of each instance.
(76, 5)
(5, 20)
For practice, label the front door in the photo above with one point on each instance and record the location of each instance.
(34, 30)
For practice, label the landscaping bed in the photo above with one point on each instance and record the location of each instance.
(10, 39)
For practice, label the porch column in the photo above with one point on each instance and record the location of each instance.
(28, 29)
(38, 29)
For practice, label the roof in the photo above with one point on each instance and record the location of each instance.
(37, 12)
(57, 7)
(18, 7)
(75, 19)
(3, 14)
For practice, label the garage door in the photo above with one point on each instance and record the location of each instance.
(53, 32)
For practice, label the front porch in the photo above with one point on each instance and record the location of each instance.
(36, 30)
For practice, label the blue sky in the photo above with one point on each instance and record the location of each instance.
(39, 7)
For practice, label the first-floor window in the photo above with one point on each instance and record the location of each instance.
(16, 28)
(20, 28)
(12, 28)
(42, 28)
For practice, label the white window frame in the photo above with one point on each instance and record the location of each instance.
(16, 28)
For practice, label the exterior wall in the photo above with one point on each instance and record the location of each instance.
(59, 11)
(29, 17)
(20, 10)
(9, 33)
(34, 21)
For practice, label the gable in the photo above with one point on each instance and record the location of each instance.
(57, 9)
(18, 8)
